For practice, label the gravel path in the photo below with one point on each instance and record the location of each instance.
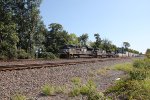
(29, 82)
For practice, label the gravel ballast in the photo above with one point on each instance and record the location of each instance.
(29, 82)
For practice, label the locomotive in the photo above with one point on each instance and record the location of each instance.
(72, 51)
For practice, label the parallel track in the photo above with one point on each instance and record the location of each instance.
(44, 65)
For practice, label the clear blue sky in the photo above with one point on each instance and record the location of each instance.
(117, 20)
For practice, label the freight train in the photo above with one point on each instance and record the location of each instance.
(72, 51)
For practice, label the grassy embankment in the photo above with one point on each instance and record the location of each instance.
(136, 85)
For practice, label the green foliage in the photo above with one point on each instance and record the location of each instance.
(141, 69)
(88, 89)
(8, 34)
(98, 41)
(60, 89)
(102, 71)
(83, 39)
(48, 55)
(48, 90)
(75, 92)
(76, 80)
(19, 23)
(21, 54)
(131, 89)
(148, 53)
(96, 96)
(106, 44)
(55, 38)
(73, 39)
(126, 45)
(138, 74)
(126, 67)
(137, 85)
(18, 97)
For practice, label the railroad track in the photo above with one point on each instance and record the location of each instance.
(44, 65)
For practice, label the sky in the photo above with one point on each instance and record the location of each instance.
(117, 20)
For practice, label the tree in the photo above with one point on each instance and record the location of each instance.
(106, 45)
(147, 53)
(55, 38)
(39, 37)
(83, 39)
(73, 39)
(8, 34)
(26, 16)
(126, 45)
(98, 41)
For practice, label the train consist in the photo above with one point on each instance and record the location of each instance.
(72, 51)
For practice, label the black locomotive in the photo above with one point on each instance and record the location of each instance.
(72, 51)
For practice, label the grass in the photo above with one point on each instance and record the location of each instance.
(91, 73)
(103, 71)
(48, 90)
(76, 80)
(126, 67)
(60, 89)
(18, 97)
(137, 85)
(88, 89)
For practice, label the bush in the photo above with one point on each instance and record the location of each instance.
(136, 87)
(18, 97)
(75, 92)
(8, 50)
(76, 81)
(139, 64)
(21, 54)
(47, 55)
(130, 90)
(48, 90)
(127, 67)
(60, 89)
(138, 74)
(88, 89)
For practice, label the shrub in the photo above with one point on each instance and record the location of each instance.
(76, 80)
(96, 96)
(75, 92)
(60, 89)
(21, 54)
(48, 90)
(47, 55)
(18, 97)
(138, 74)
(2, 57)
(7, 50)
(88, 89)
(131, 89)
(136, 87)
(139, 64)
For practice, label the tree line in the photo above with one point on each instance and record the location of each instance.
(23, 33)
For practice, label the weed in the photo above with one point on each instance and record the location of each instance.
(19, 97)
(91, 73)
(88, 89)
(48, 90)
(75, 92)
(60, 89)
(102, 71)
(126, 67)
(137, 86)
(76, 80)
